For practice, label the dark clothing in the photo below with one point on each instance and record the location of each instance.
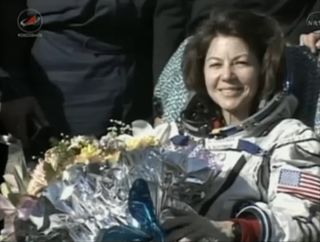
(176, 19)
(169, 30)
(13, 52)
(86, 63)
(291, 14)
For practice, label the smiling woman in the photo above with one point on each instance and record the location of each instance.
(243, 112)
(231, 73)
(236, 66)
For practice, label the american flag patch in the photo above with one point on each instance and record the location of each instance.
(300, 184)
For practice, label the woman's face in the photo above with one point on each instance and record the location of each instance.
(231, 72)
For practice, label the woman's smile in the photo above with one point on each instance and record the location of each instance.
(231, 91)
(231, 74)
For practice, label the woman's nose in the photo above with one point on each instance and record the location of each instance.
(227, 73)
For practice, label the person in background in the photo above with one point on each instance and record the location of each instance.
(89, 63)
(175, 20)
(268, 185)
(18, 105)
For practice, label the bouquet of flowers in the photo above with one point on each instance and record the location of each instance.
(110, 189)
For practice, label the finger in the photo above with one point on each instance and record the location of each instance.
(175, 222)
(180, 212)
(185, 240)
(316, 34)
(309, 41)
(318, 44)
(178, 234)
(193, 237)
(302, 36)
(317, 39)
(180, 208)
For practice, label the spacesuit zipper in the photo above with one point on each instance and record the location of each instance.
(225, 186)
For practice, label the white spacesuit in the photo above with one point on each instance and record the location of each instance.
(270, 170)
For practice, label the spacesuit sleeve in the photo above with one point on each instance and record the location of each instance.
(292, 212)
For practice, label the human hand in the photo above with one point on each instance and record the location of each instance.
(190, 227)
(15, 114)
(311, 40)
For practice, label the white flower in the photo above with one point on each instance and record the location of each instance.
(163, 132)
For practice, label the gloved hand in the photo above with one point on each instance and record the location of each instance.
(187, 226)
(311, 40)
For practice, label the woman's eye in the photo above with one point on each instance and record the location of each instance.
(214, 65)
(244, 63)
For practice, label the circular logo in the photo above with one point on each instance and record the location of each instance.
(29, 21)
(314, 19)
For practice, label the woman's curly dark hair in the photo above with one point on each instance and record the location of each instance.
(261, 33)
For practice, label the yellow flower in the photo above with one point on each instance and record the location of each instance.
(38, 180)
(112, 157)
(5, 191)
(141, 142)
(89, 151)
(88, 154)
(149, 141)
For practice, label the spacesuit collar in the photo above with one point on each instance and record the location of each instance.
(280, 107)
